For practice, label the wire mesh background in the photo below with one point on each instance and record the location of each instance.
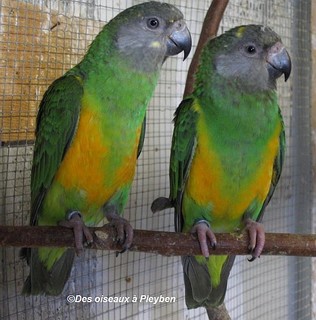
(39, 41)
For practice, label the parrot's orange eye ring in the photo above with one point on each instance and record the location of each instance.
(152, 23)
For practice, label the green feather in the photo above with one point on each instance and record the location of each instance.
(56, 123)
(234, 108)
(113, 85)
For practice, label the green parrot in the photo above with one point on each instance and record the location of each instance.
(227, 153)
(90, 131)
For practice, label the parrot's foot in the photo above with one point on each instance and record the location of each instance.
(203, 231)
(256, 238)
(74, 221)
(123, 228)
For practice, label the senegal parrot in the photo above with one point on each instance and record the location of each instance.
(227, 153)
(90, 131)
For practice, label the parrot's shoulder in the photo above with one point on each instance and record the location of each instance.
(183, 146)
(70, 79)
(186, 107)
(64, 93)
(184, 128)
(186, 115)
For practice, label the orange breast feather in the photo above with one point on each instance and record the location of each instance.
(87, 165)
(210, 186)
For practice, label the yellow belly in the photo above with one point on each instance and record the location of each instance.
(210, 186)
(88, 167)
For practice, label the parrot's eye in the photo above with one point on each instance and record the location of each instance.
(251, 49)
(152, 23)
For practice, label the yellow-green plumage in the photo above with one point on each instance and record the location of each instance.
(227, 149)
(230, 176)
(90, 130)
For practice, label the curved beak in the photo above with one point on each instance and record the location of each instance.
(279, 61)
(179, 40)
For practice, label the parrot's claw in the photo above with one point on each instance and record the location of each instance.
(203, 231)
(123, 229)
(74, 221)
(256, 238)
(124, 232)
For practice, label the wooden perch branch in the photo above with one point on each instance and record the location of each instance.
(164, 243)
(209, 30)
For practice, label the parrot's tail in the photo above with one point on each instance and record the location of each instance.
(47, 282)
(200, 288)
(160, 204)
(218, 313)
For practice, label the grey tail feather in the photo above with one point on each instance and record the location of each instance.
(218, 313)
(198, 285)
(47, 282)
(160, 204)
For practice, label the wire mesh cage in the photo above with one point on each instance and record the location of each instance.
(42, 39)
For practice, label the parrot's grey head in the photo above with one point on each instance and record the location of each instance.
(146, 34)
(253, 56)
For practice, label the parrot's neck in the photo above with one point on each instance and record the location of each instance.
(124, 89)
(234, 111)
(118, 97)
(118, 88)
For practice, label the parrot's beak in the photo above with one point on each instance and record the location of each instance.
(179, 40)
(279, 61)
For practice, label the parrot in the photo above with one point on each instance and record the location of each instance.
(227, 154)
(90, 131)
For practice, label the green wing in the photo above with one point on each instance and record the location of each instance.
(277, 169)
(141, 138)
(182, 151)
(56, 123)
